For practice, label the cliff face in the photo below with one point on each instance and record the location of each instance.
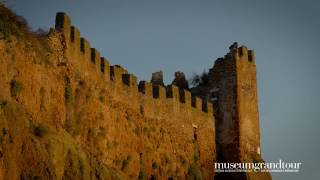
(65, 114)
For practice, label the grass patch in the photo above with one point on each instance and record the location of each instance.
(15, 87)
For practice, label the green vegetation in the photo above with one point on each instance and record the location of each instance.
(256, 159)
(4, 131)
(10, 23)
(153, 177)
(183, 160)
(102, 132)
(101, 99)
(42, 97)
(199, 80)
(125, 165)
(194, 172)
(15, 87)
(128, 117)
(68, 95)
(3, 104)
(165, 158)
(38, 130)
(111, 144)
(162, 132)
(142, 175)
(137, 131)
(196, 157)
(117, 162)
(155, 165)
(147, 131)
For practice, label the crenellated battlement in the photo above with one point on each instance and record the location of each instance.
(241, 53)
(81, 49)
(232, 87)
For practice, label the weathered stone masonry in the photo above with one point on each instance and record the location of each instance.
(231, 95)
(234, 93)
(152, 100)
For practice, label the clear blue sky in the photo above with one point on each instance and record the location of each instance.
(148, 35)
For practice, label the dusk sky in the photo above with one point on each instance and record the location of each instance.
(145, 36)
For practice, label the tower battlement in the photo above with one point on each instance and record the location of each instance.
(117, 74)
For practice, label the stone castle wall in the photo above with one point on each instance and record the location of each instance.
(97, 121)
(79, 49)
(189, 117)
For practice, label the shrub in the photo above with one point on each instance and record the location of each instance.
(155, 165)
(39, 130)
(128, 117)
(194, 172)
(162, 131)
(11, 24)
(199, 80)
(125, 165)
(15, 87)
(196, 156)
(142, 175)
(101, 99)
(68, 93)
(256, 159)
(3, 104)
(4, 131)
(137, 131)
(165, 158)
(183, 160)
(129, 157)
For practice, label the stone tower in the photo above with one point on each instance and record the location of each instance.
(232, 87)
